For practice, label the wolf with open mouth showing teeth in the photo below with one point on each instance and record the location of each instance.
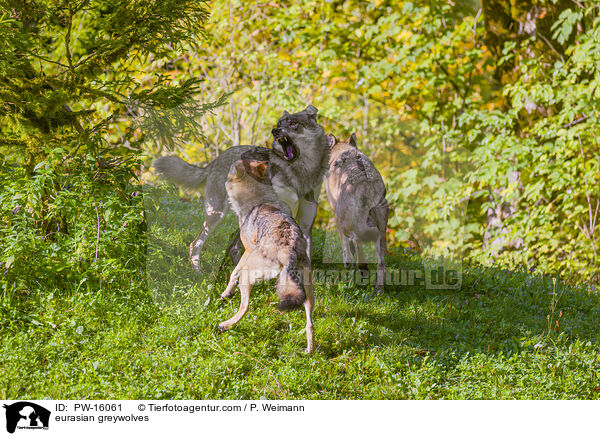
(297, 161)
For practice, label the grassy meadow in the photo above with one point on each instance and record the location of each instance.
(504, 335)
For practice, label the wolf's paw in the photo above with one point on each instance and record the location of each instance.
(195, 261)
(221, 328)
(225, 295)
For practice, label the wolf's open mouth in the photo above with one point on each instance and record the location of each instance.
(289, 150)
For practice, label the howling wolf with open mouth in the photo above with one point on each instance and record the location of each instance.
(297, 161)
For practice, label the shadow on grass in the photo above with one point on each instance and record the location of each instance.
(495, 311)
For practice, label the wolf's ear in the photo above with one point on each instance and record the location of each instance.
(352, 140)
(332, 140)
(311, 111)
(285, 114)
(258, 168)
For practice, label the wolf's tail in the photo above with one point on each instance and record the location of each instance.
(290, 288)
(376, 221)
(180, 172)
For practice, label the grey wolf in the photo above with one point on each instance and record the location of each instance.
(274, 245)
(298, 160)
(356, 193)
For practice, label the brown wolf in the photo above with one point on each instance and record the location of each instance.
(274, 244)
(356, 193)
(297, 161)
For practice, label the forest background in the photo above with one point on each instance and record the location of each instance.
(482, 117)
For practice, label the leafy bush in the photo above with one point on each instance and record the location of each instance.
(75, 88)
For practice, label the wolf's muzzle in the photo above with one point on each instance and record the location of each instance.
(288, 149)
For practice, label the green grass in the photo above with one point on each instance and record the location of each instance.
(497, 337)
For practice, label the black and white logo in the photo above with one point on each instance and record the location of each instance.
(26, 415)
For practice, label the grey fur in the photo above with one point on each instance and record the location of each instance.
(274, 245)
(356, 193)
(297, 181)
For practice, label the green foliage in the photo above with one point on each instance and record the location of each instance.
(448, 103)
(72, 74)
(556, 152)
(465, 111)
(563, 27)
(90, 231)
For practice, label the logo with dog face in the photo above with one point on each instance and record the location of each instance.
(26, 415)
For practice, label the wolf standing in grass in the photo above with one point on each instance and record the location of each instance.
(298, 161)
(356, 194)
(274, 245)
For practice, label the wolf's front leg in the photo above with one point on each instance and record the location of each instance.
(212, 220)
(233, 279)
(381, 251)
(308, 308)
(230, 290)
(307, 212)
(347, 250)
